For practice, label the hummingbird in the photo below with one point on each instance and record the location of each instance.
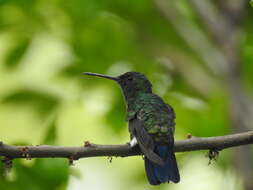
(151, 123)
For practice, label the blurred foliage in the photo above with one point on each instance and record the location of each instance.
(42, 174)
(42, 103)
(16, 54)
(45, 45)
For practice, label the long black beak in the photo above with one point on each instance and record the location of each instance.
(100, 75)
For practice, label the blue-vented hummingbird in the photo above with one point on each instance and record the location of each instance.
(151, 125)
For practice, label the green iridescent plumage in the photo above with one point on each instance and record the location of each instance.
(157, 116)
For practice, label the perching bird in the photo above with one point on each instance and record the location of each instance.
(151, 125)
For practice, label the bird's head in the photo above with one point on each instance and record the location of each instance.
(132, 83)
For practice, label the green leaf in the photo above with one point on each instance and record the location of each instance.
(43, 102)
(51, 134)
(16, 53)
(44, 174)
(53, 171)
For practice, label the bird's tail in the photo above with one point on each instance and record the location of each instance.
(158, 174)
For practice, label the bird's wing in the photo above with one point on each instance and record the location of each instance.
(145, 141)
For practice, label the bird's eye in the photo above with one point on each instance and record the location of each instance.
(129, 79)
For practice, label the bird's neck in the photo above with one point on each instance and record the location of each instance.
(134, 99)
(135, 92)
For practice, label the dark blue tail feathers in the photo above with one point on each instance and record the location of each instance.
(157, 174)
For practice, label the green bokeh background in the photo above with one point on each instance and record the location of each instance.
(45, 45)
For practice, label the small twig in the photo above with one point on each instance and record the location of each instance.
(189, 136)
(87, 144)
(212, 155)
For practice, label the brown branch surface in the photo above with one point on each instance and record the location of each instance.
(93, 150)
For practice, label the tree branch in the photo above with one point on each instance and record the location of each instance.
(193, 36)
(93, 150)
(213, 19)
